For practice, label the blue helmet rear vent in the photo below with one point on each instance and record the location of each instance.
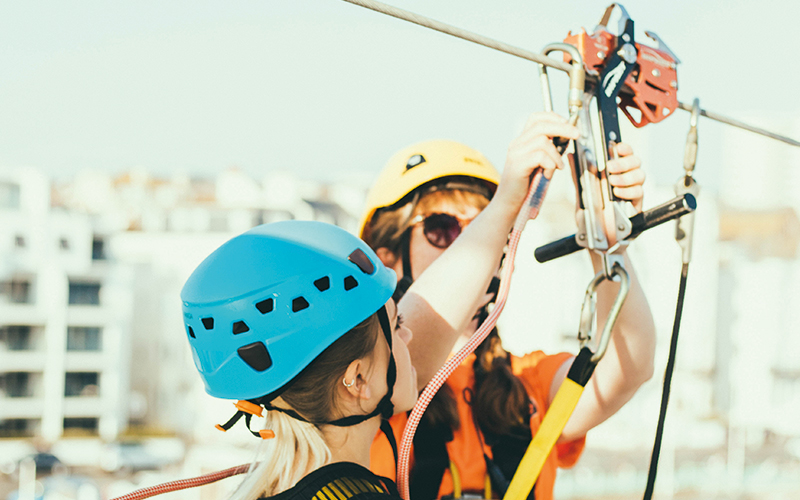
(299, 304)
(240, 327)
(256, 356)
(191, 332)
(208, 323)
(265, 306)
(359, 258)
(350, 283)
(323, 284)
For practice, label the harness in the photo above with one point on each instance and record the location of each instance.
(639, 76)
(596, 199)
(340, 481)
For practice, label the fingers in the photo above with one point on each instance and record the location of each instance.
(538, 151)
(632, 193)
(630, 178)
(624, 149)
(624, 164)
(551, 125)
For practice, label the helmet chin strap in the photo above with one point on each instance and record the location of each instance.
(404, 283)
(385, 407)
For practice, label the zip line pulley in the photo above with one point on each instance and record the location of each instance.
(541, 59)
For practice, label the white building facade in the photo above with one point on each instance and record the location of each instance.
(63, 319)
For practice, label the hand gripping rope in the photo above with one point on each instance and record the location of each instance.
(530, 210)
(684, 204)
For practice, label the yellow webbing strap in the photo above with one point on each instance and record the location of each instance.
(456, 480)
(553, 423)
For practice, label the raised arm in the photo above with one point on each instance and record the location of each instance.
(628, 363)
(445, 297)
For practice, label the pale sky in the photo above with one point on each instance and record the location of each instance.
(323, 87)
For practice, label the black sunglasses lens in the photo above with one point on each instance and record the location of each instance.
(441, 229)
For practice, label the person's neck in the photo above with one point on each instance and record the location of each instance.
(352, 444)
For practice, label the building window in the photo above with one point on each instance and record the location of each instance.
(17, 337)
(84, 338)
(98, 248)
(16, 385)
(19, 241)
(80, 426)
(15, 291)
(18, 427)
(9, 195)
(63, 244)
(81, 384)
(84, 293)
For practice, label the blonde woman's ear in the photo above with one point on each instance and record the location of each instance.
(353, 382)
(388, 257)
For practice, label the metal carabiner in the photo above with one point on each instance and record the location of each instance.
(577, 81)
(589, 308)
(684, 229)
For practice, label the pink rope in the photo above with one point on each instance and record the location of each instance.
(538, 189)
(183, 484)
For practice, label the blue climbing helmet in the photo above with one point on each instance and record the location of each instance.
(262, 306)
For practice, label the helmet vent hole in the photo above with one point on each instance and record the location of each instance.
(191, 332)
(240, 327)
(359, 258)
(323, 284)
(350, 283)
(256, 356)
(414, 161)
(299, 304)
(265, 306)
(208, 323)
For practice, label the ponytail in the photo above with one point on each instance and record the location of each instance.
(297, 448)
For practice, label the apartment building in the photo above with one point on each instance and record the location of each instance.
(64, 316)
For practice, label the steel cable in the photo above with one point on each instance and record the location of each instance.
(539, 58)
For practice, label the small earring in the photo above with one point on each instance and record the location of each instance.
(344, 381)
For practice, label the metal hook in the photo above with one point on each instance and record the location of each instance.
(577, 80)
(684, 228)
(624, 17)
(590, 306)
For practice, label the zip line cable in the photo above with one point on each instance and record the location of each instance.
(538, 58)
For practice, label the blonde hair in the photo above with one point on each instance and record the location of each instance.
(299, 447)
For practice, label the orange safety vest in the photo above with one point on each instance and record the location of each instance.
(536, 371)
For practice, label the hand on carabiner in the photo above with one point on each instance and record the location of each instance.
(626, 177)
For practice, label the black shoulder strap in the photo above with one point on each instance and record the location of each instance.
(341, 481)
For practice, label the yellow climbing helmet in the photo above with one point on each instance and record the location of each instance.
(420, 164)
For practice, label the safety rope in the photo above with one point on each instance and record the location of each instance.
(530, 209)
(183, 484)
(538, 58)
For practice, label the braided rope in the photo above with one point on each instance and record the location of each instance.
(529, 211)
(183, 484)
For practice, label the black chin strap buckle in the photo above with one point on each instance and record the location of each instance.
(247, 409)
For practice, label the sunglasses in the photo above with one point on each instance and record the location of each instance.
(441, 230)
